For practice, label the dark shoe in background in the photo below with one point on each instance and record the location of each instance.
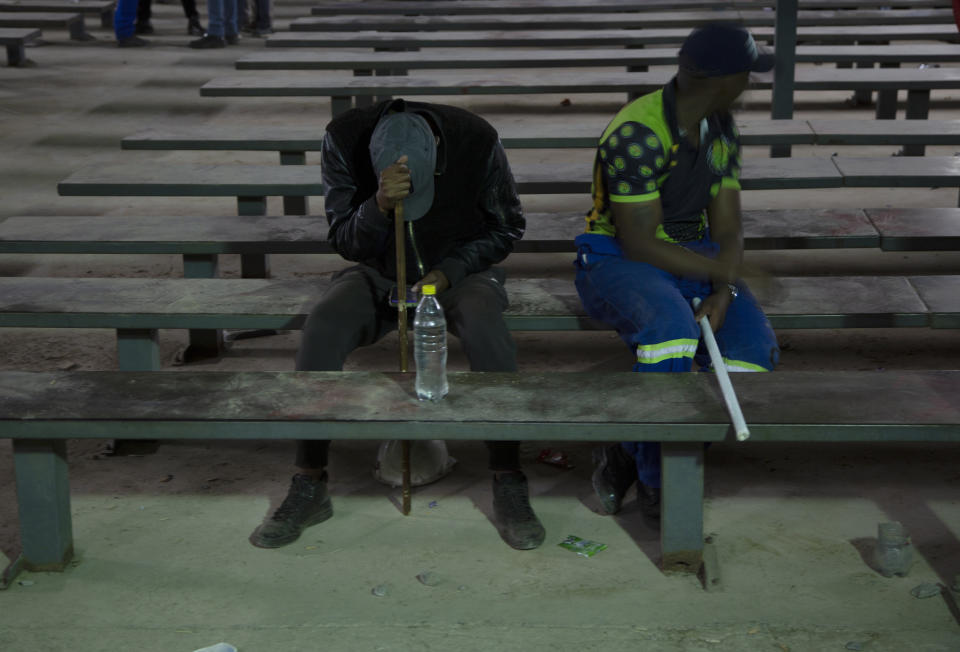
(132, 42)
(515, 520)
(208, 42)
(232, 39)
(194, 28)
(307, 503)
(614, 474)
(145, 28)
(262, 33)
(649, 499)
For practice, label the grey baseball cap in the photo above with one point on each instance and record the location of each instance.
(407, 133)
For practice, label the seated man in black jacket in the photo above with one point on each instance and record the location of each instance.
(462, 217)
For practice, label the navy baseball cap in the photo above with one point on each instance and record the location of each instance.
(719, 49)
(407, 133)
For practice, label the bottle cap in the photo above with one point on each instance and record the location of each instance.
(429, 290)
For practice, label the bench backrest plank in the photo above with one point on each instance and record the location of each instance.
(800, 406)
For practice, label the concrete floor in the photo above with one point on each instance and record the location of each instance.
(162, 558)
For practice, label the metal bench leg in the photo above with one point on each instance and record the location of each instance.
(632, 95)
(887, 98)
(16, 56)
(863, 97)
(255, 265)
(43, 500)
(78, 31)
(138, 349)
(204, 343)
(340, 104)
(681, 515)
(295, 205)
(362, 101)
(918, 107)
(785, 37)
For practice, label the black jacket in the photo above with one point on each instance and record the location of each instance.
(475, 217)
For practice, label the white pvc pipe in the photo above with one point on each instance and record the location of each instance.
(726, 387)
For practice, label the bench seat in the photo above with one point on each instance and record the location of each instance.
(613, 37)
(480, 7)
(294, 142)
(101, 8)
(917, 82)
(14, 39)
(904, 230)
(254, 182)
(551, 58)
(535, 304)
(39, 411)
(620, 20)
(72, 22)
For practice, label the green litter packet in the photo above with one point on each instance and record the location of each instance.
(583, 547)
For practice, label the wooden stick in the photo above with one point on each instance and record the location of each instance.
(402, 333)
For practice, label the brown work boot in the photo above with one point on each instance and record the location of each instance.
(515, 520)
(306, 504)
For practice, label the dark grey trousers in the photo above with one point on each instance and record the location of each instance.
(354, 311)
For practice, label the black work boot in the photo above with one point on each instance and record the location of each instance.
(613, 476)
(306, 504)
(515, 520)
(194, 28)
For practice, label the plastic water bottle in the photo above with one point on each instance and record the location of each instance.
(893, 553)
(430, 347)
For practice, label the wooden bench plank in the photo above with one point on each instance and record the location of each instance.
(101, 8)
(941, 294)
(71, 22)
(506, 58)
(252, 181)
(152, 180)
(584, 134)
(545, 232)
(623, 20)
(583, 38)
(917, 229)
(872, 172)
(793, 406)
(535, 304)
(14, 39)
(474, 7)
(293, 84)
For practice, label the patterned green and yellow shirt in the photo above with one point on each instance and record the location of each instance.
(642, 157)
